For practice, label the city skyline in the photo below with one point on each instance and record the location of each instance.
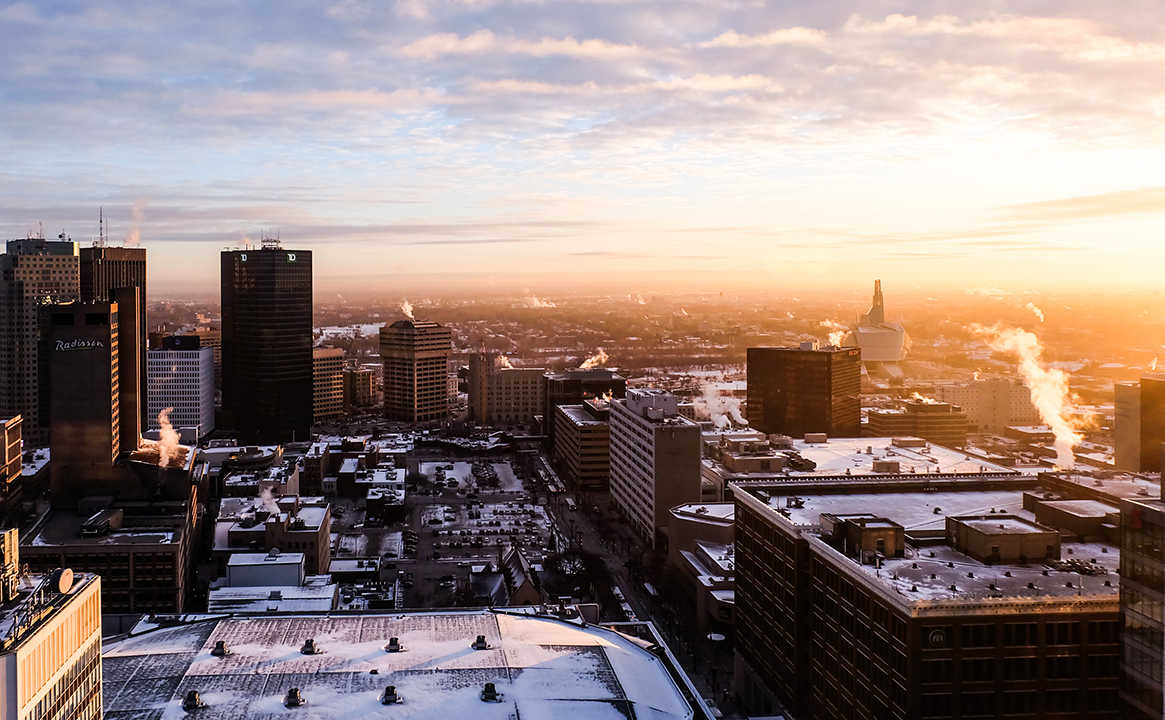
(804, 144)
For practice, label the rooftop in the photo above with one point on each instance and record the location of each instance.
(543, 666)
(12, 613)
(317, 594)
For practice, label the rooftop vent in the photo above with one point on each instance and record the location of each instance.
(954, 588)
(390, 697)
(393, 645)
(490, 694)
(913, 588)
(220, 649)
(309, 647)
(275, 595)
(1031, 586)
(192, 701)
(294, 698)
(481, 644)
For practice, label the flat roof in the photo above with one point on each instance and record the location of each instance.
(282, 558)
(24, 591)
(1003, 525)
(579, 416)
(62, 528)
(544, 667)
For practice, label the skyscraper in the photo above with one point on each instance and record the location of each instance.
(267, 342)
(181, 376)
(105, 270)
(793, 391)
(415, 355)
(82, 353)
(34, 272)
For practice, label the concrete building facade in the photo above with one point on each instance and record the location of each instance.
(50, 643)
(1142, 608)
(991, 404)
(359, 387)
(655, 460)
(584, 443)
(501, 395)
(34, 273)
(572, 387)
(940, 423)
(415, 355)
(328, 379)
(181, 377)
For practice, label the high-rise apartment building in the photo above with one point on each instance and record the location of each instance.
(501, 394)
(181, 377)
(34, 272)
(1142, 607)
(992, 404)
(267, 342)
(328, 382)
(810, 389)
(415, 355)
(655, 459)
(104, 271)
(50, 642)
(572, 387)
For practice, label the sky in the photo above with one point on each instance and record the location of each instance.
(701, 142)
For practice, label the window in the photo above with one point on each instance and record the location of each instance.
(1020, 634)
(977, 636)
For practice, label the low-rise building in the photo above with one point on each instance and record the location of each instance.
(291, 524)
(359, 387)
(940, 423)
(918, 598)
(701, 548)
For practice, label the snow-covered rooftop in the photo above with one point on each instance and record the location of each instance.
(544, 667)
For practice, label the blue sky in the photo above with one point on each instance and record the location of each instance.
(985, 143)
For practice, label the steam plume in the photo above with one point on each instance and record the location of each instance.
(639, 299)
(168, 445)
(837, 331)
(407, 308)
(723, 411)
(1048, 386)
(138, 213)
(532, 301)
(501, 361)
(1039, 313)
(599, 359)
(268, 501)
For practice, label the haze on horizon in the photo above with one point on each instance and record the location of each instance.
(744, 144)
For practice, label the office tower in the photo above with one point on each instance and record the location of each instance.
(50, 642)
(794, 391)
(917, 600)
(181, 377)
(1126, 426)
(584, 443)
(11, 469)
(328, 382)
(655, 459)
(992, 404)
(34, 272)
(82, 354)
(501, 394)
(415, 355)
(267, 342)
(574, 386)
(1142, 646)
(359, 387)
(105, 270)
(940, 423)
(1152, 424)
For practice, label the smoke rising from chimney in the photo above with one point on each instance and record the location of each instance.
(407, 308)
(1048, 386)
(724, 411)
(1039, 313)
(501, 361)
(168, 445)
(599, 359)
(268, 501)
(837, 331)
(531, 300)
(138, 213)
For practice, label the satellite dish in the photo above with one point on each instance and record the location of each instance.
(63, 579)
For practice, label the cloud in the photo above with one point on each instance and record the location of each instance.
(484, 41)
(784, 36)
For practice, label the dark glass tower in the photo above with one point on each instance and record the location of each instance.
(103, 271)
(793, 391)
(267, 343)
